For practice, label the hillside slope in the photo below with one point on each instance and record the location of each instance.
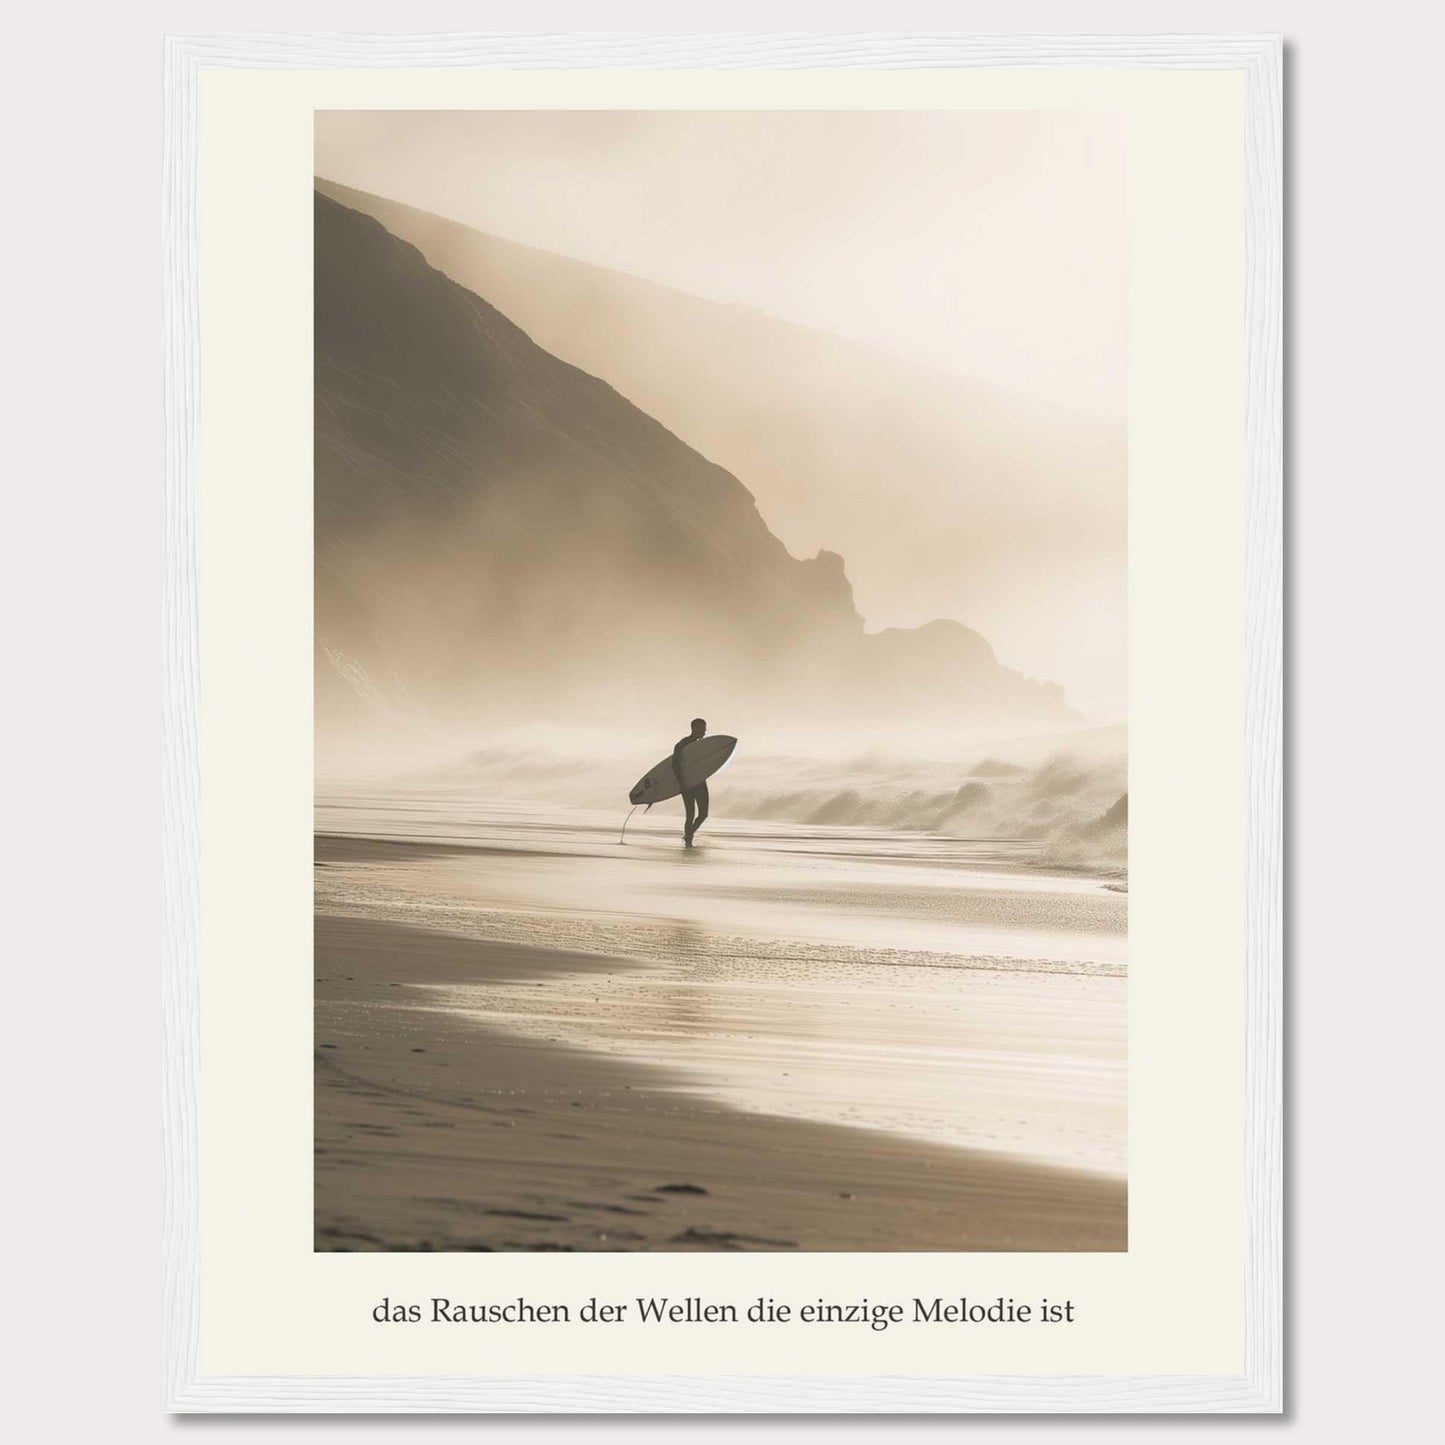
(948, 496)
(502, 537)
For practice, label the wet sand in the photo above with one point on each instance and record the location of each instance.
(528, 1038)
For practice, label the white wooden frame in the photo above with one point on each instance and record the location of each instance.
(1260, 1388)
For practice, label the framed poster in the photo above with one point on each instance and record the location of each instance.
(724, 713)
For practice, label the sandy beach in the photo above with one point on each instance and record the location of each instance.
(530, 1036)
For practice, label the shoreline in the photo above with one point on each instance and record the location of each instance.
(437, 1132)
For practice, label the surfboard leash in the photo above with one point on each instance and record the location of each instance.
(628, 819)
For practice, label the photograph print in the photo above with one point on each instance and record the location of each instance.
(721, 680)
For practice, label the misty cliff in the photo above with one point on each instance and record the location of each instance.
(949, 496)
(502, 537)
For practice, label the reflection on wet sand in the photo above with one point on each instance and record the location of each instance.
(937, 994)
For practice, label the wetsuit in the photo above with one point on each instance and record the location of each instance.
(693, 799)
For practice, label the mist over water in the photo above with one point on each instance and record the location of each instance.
(1063, 796)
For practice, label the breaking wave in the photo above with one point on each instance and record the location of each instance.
(1072, 802)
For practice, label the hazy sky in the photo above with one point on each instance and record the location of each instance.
(993, 245)
(988, 243)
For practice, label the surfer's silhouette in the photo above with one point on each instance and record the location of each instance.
(693, 799)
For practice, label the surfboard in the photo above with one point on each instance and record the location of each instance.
(700, 760)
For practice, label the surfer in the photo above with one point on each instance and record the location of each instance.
(681, 773)
(694, 799)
